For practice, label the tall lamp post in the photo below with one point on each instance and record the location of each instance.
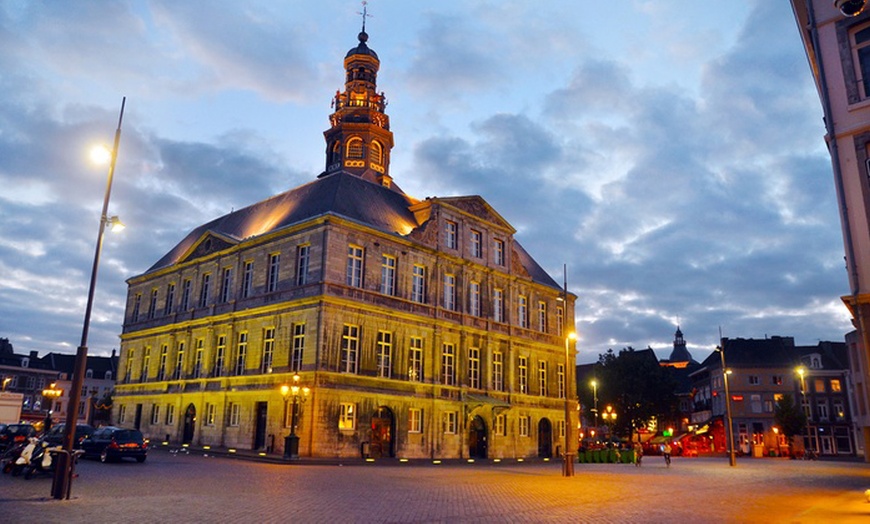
(595, 401)
(609, 417)
(62, 482)
(802, 371)
(297, 395)
(568, 456)
(732, 458)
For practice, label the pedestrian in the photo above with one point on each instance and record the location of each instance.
(638, 453)
(666, 451)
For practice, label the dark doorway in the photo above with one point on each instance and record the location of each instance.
(260, 433)
(381, 440)
(545, 438)
(477, 442)
(189, 424)
(137, 422)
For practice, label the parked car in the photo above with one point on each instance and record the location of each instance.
(56, 433)
(15, 434)
(112, 443)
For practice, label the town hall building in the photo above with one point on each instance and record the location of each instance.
(410, 328)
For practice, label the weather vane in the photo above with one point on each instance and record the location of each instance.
(364, 14)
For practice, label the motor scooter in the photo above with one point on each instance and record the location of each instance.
(23, 460)
(8, 458)
(40, 461)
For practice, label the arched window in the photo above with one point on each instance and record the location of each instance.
(336, 152)
(376, 153)
(355, 148)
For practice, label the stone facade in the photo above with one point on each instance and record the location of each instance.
(420, 328)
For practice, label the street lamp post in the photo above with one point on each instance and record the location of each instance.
(595, 401)
(732, 458)
(62, 482)
(802, 371)
(609, 417)
(297, 395)
(568, 467)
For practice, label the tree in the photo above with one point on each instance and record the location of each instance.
(790, 418)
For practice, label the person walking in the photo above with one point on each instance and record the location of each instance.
(666, 451)
(638, 453)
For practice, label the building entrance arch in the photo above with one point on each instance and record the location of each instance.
(383, 429)
(477, 438)
(189, 424)
(545, 438)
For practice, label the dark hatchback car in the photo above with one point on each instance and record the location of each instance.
(15, 434)
(55, 434)
(111, 443)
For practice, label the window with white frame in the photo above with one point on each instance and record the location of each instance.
(385, 354)
(388, 274)
(226, 284)
(448, 422)
(415, 420)
(474, 299)
(523, 311)
(542, 378)
(476, 244)
(449, 292)
(152, 305)
(560, 320)
(242, 353)
(274, 271)
(347, 416)
(205, 290)
(861, 54)
(524, 424)
(354, 266)
(146, 363)
(137, 302)
(170, 298)
(247, 278)
(209, 415)
(268, 349)
(523, 374)
(498, 252)
(155, 414)
(298, 346)
(235, 414)
(303, 254)
(560, 378)
(450, 234)
(349, 348)
(186, 290)
(128, 366)
(562, 428)
(199, 355)
(498, 371)
(498, 305)
(474, 368)
(170, 414)
(754, 380)
(822, 409)
(448, 364)
(164, 356)
(542, 317)
(415, 359)
(776, 380)
(122, 414)
(220, 356)
(418, 285)
(178, 370)
(499, 427)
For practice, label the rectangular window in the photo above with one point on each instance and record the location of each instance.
(560, 378)
(498, 305)
(186, 288)
(152, 304)
(474, 299)
(155, 415)
(498, 371)
(418, 289)
(523, 375)
(861, 51)
(235, 415)
(805, 404)
(562, 428)
(354, 266)
(754, 380)
(835, 386)
(272, 276)
(241, 354)
(247, 278)
(755, 403)
(122, 414)
(137, 303)
(209, 414)
(388, 275)
(776, 380)
(542, 378)
(164, 356)
(415, 359)
(349, 349)
(476, 248)
(385, 354)
(498, 252)
(226, 284)
(450, 234)
(822, 407)
(415, 420)
(298, 346)
(542, 317)
(170, 414)
(170, 298)
(768, 406)
(499, 427)
(448, 422)
(525, 423)
(198, 359)
(303, 254)
(449, 292)
(204, 290)
(839, 410)
(523, 311)
(128, 367)
(474, 368)
(220, 356)
(179, 362)
(560, 320)
(819, 385)
(268, 349)
(146, 363)
(448, 359)
(347, 416)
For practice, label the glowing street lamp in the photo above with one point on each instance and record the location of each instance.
(298, 395)
(568, 469)
(609, 417)
(802, 371)
(594, 384)
(732, 457)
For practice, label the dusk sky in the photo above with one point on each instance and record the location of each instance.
(670, 152)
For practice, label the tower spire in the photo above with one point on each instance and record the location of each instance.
(364, 14)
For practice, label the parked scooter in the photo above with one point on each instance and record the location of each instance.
(40, 461)
(23, 460)
(7, 460)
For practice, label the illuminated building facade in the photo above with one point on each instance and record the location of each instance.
(421, 327)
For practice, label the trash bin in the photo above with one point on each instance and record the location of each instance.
(757, 451)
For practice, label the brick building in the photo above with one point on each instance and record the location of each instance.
(422, 328)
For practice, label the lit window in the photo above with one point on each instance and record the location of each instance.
(354, 266)
(415, 359)
(835, 385)
(415, 420)
(388, 275)
(385, 354)
(349, 348)
(450, 234)
(448, 356)
(354, 148)
(347, 416)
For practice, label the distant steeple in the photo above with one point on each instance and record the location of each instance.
(359, 140)
(680, 353)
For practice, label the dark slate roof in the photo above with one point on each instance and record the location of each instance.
(834, 354)
(340, 194)
(362, 48)
(66, 363)
(536, 272)
(750, 352)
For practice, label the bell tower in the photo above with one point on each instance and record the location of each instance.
(359, 140)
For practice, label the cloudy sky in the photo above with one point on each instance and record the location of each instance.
(669, 152)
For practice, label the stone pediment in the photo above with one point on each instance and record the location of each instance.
(478, 208)
(210, 242)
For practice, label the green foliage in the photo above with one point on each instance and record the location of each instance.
(789, 417)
